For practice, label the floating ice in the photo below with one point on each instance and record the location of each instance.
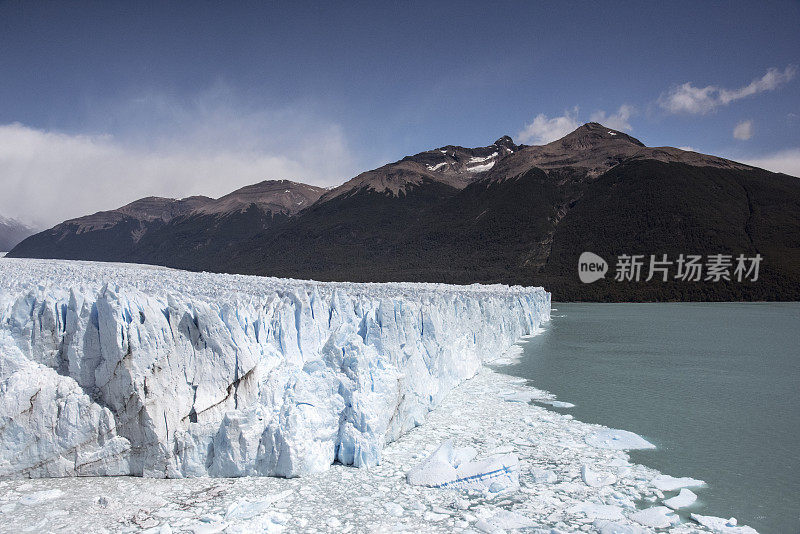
(597, 511)
(721, 525)
(615, 439)
(39, 497)
(248, 510)
(109, 369)
(511, 356)
(594, 479)
(557, 404)
(208, 528)
(504, 520)
(669, 483)
(655, 517)
(681, 500)
(359, 499)
(520, 396)
(543, 476)
(394, 509)
(453, 467)
(611, 527)
(529, 394)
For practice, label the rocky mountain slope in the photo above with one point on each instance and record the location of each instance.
(142, 228)
(502, 213)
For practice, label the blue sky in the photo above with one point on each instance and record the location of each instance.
(102, 103)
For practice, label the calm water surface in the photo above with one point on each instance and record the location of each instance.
(715, 386)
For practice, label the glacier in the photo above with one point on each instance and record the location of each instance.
(114, 369)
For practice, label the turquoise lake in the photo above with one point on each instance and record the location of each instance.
(715, 386)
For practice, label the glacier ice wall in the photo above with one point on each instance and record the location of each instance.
(110, 369)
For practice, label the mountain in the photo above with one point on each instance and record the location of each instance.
(12, 232)
(453, 166)
(502, 213)
(164, 230)
(593, 149)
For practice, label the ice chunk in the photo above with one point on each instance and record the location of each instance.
(161, 529)
(38, 497)
(597, 511)
(507, 520)
(519, 396)
(721, 525)
(452, 467)
(557, 403)
(394, 509)
(615, 439)
(669, 483)
(681, 500)
(543, 476)
(594, 479)
(511, 356)
(484, 526)
(655, 517)
(612, 527)
(208, 528)
(247, 510)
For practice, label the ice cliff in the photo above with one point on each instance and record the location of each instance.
(118, 369)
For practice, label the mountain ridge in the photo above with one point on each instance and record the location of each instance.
(500, 213)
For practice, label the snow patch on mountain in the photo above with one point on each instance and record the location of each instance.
(118, 369)
(481, 160)
(481, 168)
(437, 166)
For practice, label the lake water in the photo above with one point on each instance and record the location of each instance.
(715, 386)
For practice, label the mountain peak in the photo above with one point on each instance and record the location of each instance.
(593, 135)
(506, 142)
(270, 195)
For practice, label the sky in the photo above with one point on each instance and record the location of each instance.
(102, 103)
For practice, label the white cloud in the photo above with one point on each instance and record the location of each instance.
(201, 149)
(688, 148)
(544, 130)
(785, 161)
(617, 121)
(743, 131)
(686, 98)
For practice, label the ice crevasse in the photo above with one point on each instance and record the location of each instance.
(109, 369)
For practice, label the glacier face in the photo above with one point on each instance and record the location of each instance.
(109, 369)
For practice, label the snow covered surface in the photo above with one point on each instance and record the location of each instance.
(121, 369)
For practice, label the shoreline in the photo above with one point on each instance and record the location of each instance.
(551, 448)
